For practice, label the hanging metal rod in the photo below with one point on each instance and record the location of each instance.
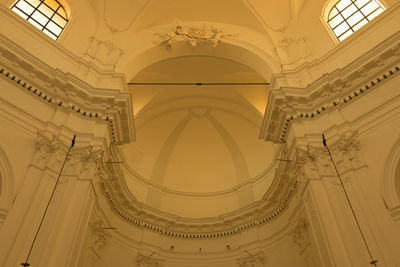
(26, 264)
(373, 261)
(288, 160)
(199, 84)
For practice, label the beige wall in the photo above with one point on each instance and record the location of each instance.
(297, 215)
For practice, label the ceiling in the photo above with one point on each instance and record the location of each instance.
(197, 139)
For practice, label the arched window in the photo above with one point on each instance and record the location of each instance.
(347, 16)
(48, 16)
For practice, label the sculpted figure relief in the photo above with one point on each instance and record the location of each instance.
(193, 35)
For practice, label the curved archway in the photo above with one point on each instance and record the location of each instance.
(6, 185)
(246, 47)
(391, 182)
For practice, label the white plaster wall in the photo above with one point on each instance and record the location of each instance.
(17, 147)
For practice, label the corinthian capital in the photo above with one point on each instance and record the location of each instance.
(51, 152)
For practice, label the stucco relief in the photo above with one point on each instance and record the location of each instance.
(106, 52)
(147, 261)
(256, 260)
(194, 35)
(130, 210)
(51, 153)
(97, 237)
(43, 151)
(314, 97)
(345, 153)
(292, 50)
(300, 234)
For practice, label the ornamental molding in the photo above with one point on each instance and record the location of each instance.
(291, 51)
(250, 181)
(331, 91)
(50, 152)
(300, 235)
(97, 236)
(314, 162)
(104, 52)
(110, 185)
(147, 261)
(70, 94)
(194, 35)
(301, 232)
(256, 260)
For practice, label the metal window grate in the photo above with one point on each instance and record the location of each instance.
(49, 16)
(347, 16)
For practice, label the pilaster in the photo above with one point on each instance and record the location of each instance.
(334, 228)
(61, 235)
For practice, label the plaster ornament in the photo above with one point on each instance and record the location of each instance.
(194, 35)
(83, 162)
(89, 167)
(106, 52)
(300, 235)
(147, 261)
(256, 260)
(43, 151)
(316, 161)
(49, 153)
(98, 237)
(292, 50)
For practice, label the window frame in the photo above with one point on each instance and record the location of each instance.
(44, 26)
(332, 4)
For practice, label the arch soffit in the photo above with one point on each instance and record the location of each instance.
(391, 188)
(246, 47)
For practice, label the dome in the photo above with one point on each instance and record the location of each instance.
(198, 146)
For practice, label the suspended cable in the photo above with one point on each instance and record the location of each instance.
(200, 84)
(48, 204)
(373, 261)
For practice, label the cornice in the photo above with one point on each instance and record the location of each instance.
(187, 230)
(67, 92)
(66, 60)
(331, 91)
(142, 216)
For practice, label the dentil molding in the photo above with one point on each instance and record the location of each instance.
(126, 207)
(66, 92)
(331, 91)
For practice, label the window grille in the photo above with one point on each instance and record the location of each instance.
(347, 16)
(49, 16)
